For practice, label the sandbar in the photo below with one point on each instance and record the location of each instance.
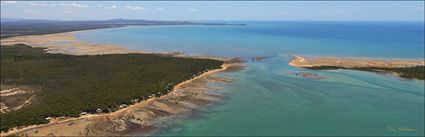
(299, 61)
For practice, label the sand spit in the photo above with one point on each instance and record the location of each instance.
(299, 61)
(143, 118)
(66, 43)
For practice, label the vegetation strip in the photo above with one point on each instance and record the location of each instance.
(12, 28)
(415, 72)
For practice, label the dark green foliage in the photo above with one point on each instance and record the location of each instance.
(415, 72)
(73, 84)
(324, 67)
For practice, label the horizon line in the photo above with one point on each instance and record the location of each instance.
(17, 18)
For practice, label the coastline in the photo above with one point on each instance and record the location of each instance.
(83, 121)
(299, 61)
(407, 69)
(66, 43)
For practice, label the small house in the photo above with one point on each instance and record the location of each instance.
(99, 110)
(123, 105)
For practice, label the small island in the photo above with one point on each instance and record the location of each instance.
(408, 69)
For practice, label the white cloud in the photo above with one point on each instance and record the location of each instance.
(334, 12)
(74, 5)
(31, 11)
(36, 4)
(192, 9)
(110, 7)
(100, 6)
(133, 7)
(159, 8)
(9, 2)
(67, 11)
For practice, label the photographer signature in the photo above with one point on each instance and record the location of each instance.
(400, 129)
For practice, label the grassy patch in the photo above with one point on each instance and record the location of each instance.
(73, 84)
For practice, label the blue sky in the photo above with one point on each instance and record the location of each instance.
(219, 10)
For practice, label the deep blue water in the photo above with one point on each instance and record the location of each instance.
(354, 39)
(267, 99)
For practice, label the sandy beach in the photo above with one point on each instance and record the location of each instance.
(144, 118)
(300, 61)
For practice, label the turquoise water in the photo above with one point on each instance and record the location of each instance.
(267, 99)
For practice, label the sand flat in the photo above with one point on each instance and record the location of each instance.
(300, 61)
(66, 43)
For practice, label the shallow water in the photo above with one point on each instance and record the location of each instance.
(267, 99)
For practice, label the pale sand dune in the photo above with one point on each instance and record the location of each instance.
(299, 61)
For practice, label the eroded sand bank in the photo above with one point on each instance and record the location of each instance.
(299, 61)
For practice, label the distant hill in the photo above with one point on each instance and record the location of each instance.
(111, 21)
(11, 19)
(11, 27)
(18, 27)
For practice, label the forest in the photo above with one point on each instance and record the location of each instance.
(414, 72)
(72, 84)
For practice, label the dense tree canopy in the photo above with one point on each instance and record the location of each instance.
(74, 84)
(415, 72)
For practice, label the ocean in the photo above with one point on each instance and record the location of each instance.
(268, 99)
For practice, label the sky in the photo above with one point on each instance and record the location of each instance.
(217, 10)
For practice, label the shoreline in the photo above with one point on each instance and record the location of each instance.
(300, 61)
(406, 69)
(66, 43)
(117, 113)
(56, 121)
